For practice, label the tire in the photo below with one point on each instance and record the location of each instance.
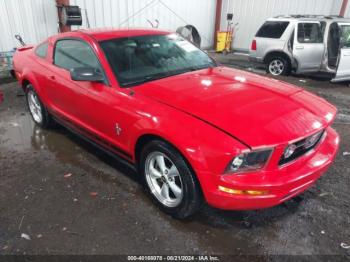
(37, 109)
(278, 65)
(176, 172)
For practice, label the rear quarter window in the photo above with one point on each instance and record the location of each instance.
(272, 29)
(41, 50)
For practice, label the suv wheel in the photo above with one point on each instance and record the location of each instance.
(39, 113)
(278, 66)
(169, 180)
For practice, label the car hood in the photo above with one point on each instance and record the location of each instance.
(257, 110)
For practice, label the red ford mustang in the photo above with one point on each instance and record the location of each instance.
(195, 130)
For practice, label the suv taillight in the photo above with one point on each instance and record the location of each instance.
(253, 46)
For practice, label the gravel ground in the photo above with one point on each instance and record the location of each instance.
(71, 198)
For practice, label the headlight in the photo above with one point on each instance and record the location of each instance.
(289, 150)
(249, 161)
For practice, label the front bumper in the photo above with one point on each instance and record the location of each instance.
(280, 183)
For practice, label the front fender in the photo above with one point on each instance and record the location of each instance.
(205, 147)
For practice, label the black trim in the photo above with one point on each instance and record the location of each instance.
(94, 139)
(301, 149)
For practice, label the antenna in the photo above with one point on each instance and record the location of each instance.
(20, 40)
(153, 25)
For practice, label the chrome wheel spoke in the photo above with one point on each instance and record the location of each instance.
(154, 172)
(34, 107)
(32, 98)
(36, 103)
(165, 191)
(173, 172)
(175, 189)
(161, 163)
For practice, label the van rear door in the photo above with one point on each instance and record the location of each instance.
(308, 47)
(343, 68)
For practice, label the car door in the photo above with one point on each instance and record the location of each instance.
(343, 66)
(65, 95)
(94, 108)
(308, 48)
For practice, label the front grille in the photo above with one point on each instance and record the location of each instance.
(302, 147)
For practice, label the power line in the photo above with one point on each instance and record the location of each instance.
(167, 7)
(137, 12)
(178, 16)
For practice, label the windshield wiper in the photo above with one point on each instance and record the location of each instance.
(195, 68)
(163, 75)
(145, 79)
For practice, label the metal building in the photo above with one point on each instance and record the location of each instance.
(35, 20)
(140, 13)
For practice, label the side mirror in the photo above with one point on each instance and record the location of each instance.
(86, 74)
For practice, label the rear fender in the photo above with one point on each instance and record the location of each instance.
(28, 77)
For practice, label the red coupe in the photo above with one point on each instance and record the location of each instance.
(195, 130)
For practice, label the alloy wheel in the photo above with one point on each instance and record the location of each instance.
(276, 67)
(35, 106)
(163, 179)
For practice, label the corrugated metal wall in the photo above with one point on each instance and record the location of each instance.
(37, 19)
(34, 20)
(135, 13)
(250, 14)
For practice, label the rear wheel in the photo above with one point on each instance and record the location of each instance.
(36, 108)
(169, 180)
(278, 65)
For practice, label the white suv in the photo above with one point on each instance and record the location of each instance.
(304, 44)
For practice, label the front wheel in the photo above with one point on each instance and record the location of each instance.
(169, 180)
(278, 66)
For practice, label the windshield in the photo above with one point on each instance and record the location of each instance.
(136, 60)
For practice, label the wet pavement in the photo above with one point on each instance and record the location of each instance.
(71, 198)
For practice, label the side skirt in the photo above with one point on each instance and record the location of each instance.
(111, 150)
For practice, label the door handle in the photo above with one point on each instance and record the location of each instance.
(51, 77)
(299, 47)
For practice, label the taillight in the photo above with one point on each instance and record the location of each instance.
(253, 46)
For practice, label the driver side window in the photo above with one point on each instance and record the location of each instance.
(71, 53)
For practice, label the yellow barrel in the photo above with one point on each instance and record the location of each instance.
(221, 41)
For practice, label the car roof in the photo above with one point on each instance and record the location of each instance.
(105, 34)
(309, 18)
